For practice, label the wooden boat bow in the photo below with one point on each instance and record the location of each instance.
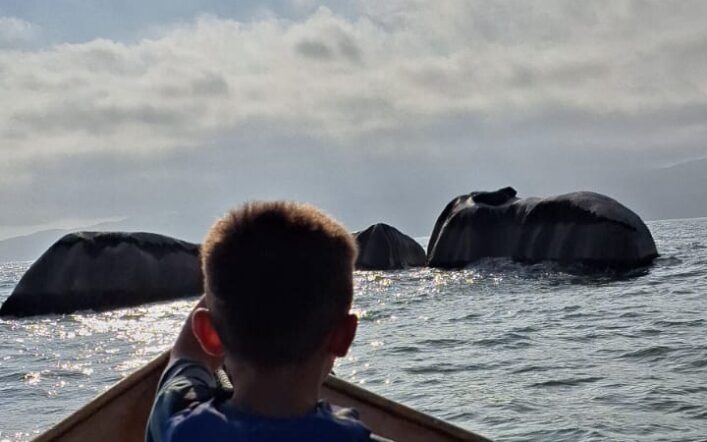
(120, 413)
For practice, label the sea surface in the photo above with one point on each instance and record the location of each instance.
(513, 352)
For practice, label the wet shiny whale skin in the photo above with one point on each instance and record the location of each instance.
(104, 270)
(584, 228)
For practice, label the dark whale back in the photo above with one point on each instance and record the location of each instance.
(383, 247)
(442, 219)
(103, 270)
(495, 198)
(575, 228)
(589, 228)
(95, 243)
(478, 200)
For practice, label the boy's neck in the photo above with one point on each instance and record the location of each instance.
(283, 392)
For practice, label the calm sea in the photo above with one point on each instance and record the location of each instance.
(513, 352)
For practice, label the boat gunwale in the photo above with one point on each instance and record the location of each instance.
(401, 411)
(332, 383)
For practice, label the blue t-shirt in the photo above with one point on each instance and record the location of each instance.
(190, 405)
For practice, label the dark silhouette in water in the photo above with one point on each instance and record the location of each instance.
(584, 228)
(104, 270)
(383, 247)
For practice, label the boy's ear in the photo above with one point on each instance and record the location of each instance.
(205, 333)
(343, 335)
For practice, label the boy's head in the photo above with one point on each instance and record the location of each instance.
(278, 279)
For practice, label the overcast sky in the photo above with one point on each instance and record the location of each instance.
(165, 112)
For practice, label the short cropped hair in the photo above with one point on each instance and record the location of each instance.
(278, 276)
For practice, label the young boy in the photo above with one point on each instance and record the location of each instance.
(279, 283)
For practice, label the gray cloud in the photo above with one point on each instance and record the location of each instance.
(210, 84)
(314, 49)
(344, 48)
(349, 49)
(100, 120)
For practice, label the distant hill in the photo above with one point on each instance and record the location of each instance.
(677, 191)
(29, 247)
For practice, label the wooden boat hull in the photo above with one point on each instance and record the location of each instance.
(120, 414)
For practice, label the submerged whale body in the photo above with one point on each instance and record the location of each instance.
(584, 228)
(383, 247)
(104, 270)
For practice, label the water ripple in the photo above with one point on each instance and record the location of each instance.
(570, 382)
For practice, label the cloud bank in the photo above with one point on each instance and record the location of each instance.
(495, 87)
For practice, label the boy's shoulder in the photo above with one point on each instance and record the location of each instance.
(190, 405)
(221, 421)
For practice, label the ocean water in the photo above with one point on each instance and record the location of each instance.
(513, 352)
